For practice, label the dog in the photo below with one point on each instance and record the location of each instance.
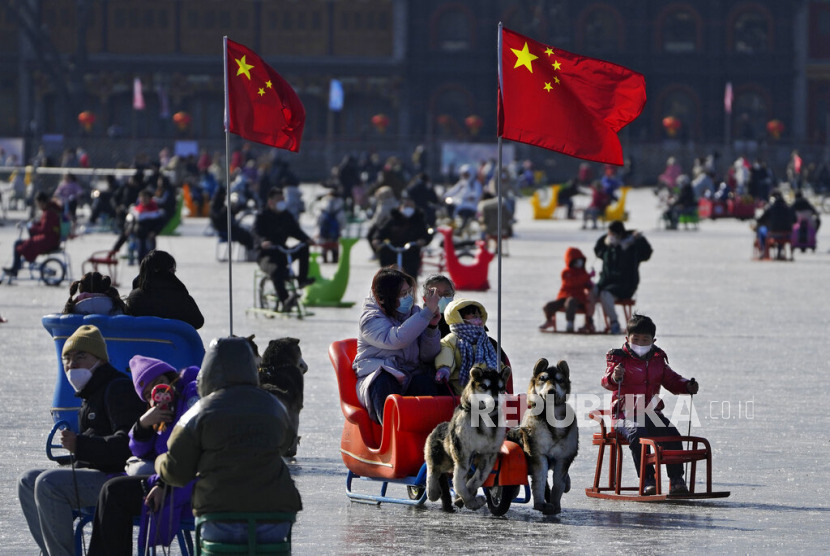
(547, 444)
(281, 373)
(457, 444)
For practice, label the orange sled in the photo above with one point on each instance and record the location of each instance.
(394, 453)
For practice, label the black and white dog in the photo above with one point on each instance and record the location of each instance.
(548, 435)
(472, 436)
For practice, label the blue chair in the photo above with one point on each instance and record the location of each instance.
(184, 538)
(173, 341)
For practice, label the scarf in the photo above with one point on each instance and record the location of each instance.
(475, 347)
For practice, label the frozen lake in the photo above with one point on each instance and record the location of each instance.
(747, 331)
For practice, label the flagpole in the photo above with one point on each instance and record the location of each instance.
(498, 219)
(228, 185)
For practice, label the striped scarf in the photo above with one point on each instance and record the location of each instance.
(475, 347)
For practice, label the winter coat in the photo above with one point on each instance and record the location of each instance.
(232, 438)
(425, 198)
(400, 230)
(276, 227)
(166, 297)
(400, 345)
(620, 263)
(575, 281)
(643, 376)
(109, 409)
(599, 199)
(465, 194)
(778, 217)
(44, 235)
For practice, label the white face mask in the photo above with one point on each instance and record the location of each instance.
(408, 211)
(79, 378)
(443, 302)
(281, 206)
(579, 263)
(641, 351)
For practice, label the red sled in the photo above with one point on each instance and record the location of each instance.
(467, 276)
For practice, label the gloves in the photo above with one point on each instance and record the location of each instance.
(442, 375)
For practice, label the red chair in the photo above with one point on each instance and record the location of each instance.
(627, 307)
(652, 453)
(109, 259)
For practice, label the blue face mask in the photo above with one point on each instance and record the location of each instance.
(406, 304)
(443, 302)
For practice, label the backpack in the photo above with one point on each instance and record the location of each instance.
(329, 225)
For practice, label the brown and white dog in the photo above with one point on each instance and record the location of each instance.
(548, 434)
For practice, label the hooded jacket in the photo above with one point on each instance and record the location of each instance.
(232, 438)
(620, 263)
(166, 297)
(643, 376)
(399, 345)
(450, 354)
(109, 409)
(575, 281)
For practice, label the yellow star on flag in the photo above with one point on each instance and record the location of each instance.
(261, 91)
(556, 65)
(556, 80)
(244, 67)
(548, 87)
(549, 51)
(268, 84)
(524, 58)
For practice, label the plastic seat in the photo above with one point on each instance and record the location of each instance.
(173, 341)
(467, 276)
(545, 212)
(616, 211)
(252, 546)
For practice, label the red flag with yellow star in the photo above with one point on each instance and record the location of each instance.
(564, 102)
(261, 106)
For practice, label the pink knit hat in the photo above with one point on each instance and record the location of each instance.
(145, 370)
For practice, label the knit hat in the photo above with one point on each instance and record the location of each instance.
(145, 370)
(89, 339)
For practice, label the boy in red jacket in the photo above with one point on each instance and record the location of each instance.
(640, 368)
(573, 295)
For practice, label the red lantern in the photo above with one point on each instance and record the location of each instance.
(775, 128)
(86, 119)
(672, 125)
(381, 122)
(182, 120)
(473, 123)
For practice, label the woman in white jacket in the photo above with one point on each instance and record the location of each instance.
(397, 342)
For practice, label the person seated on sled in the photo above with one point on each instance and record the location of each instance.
(405, 224)
(466, 346)
(122, 497)
(621, 252)
(219, 221)
(232, 440)
(684, 202)
(95, 296)
(573, 295)
(109, 408)
(445, 288)
(44, 235)
(157, 292)
(599, 202)
(640, 368)
(273, 226)
(776, 221)
(396, 343)
(804, 210)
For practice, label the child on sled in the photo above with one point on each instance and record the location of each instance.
(466, 345)
(640, 368)
(573, 295)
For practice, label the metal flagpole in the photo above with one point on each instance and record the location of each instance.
(498, 219)
(228, 185)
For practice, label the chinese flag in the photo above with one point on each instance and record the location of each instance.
(564, 102)
(262, 106)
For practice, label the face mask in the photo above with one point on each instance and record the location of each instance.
(477, 321)
(281, 206)
(406, 304)
(443, 302)
(613, 240)
(579, 264)
(641, 351)
(408, 211)
(78, 378)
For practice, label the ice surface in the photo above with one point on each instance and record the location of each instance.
(747, 331)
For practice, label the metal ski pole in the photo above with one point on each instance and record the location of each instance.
(689, 432)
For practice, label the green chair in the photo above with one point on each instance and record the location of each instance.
(170, 228)
(210, 548)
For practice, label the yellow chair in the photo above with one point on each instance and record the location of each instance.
(545, 212)
(211, 548)
(617, 210)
